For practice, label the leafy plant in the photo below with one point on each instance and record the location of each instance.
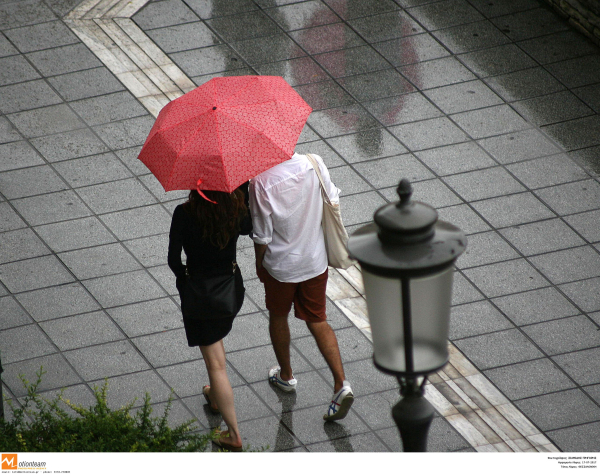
(41, 425)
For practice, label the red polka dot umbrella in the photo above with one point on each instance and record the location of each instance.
(224, 133)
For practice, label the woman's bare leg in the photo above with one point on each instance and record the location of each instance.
(221, 392)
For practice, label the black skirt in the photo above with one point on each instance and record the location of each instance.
(204, 332)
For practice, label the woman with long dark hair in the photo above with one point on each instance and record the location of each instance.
(207, 228)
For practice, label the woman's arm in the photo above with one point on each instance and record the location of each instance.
(176, 243)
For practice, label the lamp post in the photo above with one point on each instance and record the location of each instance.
(407, 257)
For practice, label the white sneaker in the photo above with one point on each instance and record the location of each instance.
(275, 379)
(340, 404)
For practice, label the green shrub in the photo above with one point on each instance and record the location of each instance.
(41, 425)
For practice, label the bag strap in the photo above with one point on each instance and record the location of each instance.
(318, 171)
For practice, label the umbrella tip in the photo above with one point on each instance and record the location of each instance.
(214, 108)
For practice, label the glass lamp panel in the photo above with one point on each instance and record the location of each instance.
(430, 299)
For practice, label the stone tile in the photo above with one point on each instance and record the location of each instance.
(585, 224)
(583, 196)
(34, 273)
(464, 291)
(106, 360)
(585, 293)
(577, 133)
(437, 73)
(341, 120)
(587, 158)
(63, 60)
(57, 301)
(558, 47)
(108, 108)
(150, 251)
(99, 261)
(519, 146)
(50, 208)
(24, 342)
(569, 265)
(368, 144)
(590, 95)
(594, 391)
(125, 388)
(402, 109)
(368, 442)
(577, 439)
(13, 315)
(577, 72)
(541, 237)
(6, 48)
(524, 84)
(582, 366)
(92, 170)
(17, 183)
(84, 84)
(428, 133)
(351, 61)
(166, 348)
(9, 219)
(491, 10)
(484, 184)
(462, 97)
(547, 171)
(243, 26)
(463, 217)
(389, 171)
(433, 192)
(471, 37)
(24, 13)
(74, 332)
(267, 49)
(183, 37)
(147, 317)
(126, 133)
(530, 24)
(496, 120)
(15, 69)
(75, 234)
(356, 8)
(8, 133)
(359, 208)
(208, 60)
(297, 16)
(325, 38)
(485, 248)
(67, 145)
(512, 210)
(26, 96)
(495, 61)
(296, 71)
(269, 433)
(324, 95)
(473, 319)
(411, 49)
(497, 349)
(529, 379)
(559, 410)
(20, 244)
(254, 364)
(552, 108)
(46, 121)
(504, 278)
(132, 223)
(18, 155)
(375, 85)
(161, 14)
(129, 157)
(365, 378)
(125, 288)
(564, 335)
(116, 196)
(445, 14)
(58, 374)
(41, 36)
(456, 158)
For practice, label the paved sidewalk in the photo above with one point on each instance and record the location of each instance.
(489, 108)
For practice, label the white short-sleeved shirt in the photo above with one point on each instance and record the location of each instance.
(287, 207)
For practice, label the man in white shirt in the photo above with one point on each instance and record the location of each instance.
(291, 261)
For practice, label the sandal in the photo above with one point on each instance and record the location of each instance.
(223, 443)
(205, 390)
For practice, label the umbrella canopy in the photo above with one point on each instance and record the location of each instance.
(224, 133)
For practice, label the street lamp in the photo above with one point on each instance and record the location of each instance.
(407, 259)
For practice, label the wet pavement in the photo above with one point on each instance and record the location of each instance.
(490, 109)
